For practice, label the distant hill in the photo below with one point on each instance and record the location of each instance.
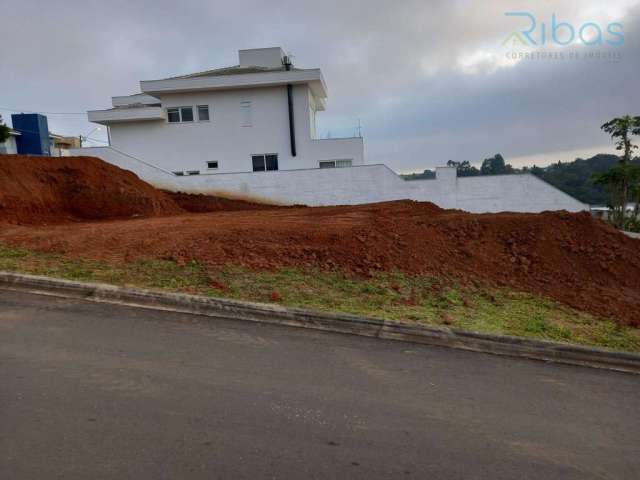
(573, 178)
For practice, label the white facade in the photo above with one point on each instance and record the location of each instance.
(9, 147)
(249, 111)
(248, 115)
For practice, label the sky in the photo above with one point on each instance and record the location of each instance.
(428, 81)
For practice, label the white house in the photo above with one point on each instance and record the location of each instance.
(250, 131)
(9, 146)
(257, 116)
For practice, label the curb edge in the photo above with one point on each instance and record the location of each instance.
(332, 322)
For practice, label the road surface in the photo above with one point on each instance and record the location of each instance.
(92, 391)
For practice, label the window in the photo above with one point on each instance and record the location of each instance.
(186, 114)
(335, 163)
(203, 113)
(245, 114)
(266, 162)
(212, 165)
(193, 172)
(173, 115)
(271, 162)
(258, 163)
(179, 114)
(179, 174)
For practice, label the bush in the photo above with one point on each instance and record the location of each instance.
(4, 131)
(632, 224)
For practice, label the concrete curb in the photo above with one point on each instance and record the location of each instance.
(331, 322)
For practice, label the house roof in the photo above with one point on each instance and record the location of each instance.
(237, 77)
(234, 70)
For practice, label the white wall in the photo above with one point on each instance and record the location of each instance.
(188, 146)
(361, 184)
(9, 147)
(261, 57)
(59, 152)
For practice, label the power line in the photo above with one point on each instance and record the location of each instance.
(22, 130)
(94, 140)
(43, 113)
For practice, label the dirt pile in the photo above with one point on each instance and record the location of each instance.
(200, 203)
(571, 258)
(36, 189)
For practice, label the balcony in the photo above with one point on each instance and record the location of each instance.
(126, 114)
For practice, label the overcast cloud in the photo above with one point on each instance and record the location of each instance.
(429, 81)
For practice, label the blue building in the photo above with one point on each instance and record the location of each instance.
(34, 133)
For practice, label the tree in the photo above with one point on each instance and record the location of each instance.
(4, 131)
(619, 181)
(622, 128)
(622, 180)
(464, 169)
(495, 166)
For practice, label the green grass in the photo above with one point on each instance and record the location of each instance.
(393, 296)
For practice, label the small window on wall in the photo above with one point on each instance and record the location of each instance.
(193, 172)
(335, 163)
(245, 114)
(179, 174)
(203, 113)
(173, 115)
(212, 165)
(262, 163)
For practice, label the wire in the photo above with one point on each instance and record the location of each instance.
(94, 140)
(22, 130)
(43, 113)
(72, 136)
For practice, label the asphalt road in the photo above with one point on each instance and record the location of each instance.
(93, 391)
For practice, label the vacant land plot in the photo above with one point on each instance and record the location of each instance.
(553, 275)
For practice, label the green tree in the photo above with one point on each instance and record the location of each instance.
(464, 169)
(621, 181)
(495, 166)
(575, 177)
(4, 131)
(622, 129)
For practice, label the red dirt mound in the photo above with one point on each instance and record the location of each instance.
(36, 189)
(572, 258)
(200, 203)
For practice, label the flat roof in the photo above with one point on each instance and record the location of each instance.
(250, 77)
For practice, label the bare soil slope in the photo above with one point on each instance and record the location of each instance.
(200, 203)
(36, 189)
(572, 258)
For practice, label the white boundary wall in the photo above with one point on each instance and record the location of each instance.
(356, 185)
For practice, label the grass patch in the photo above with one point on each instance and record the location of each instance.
(393, 296)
